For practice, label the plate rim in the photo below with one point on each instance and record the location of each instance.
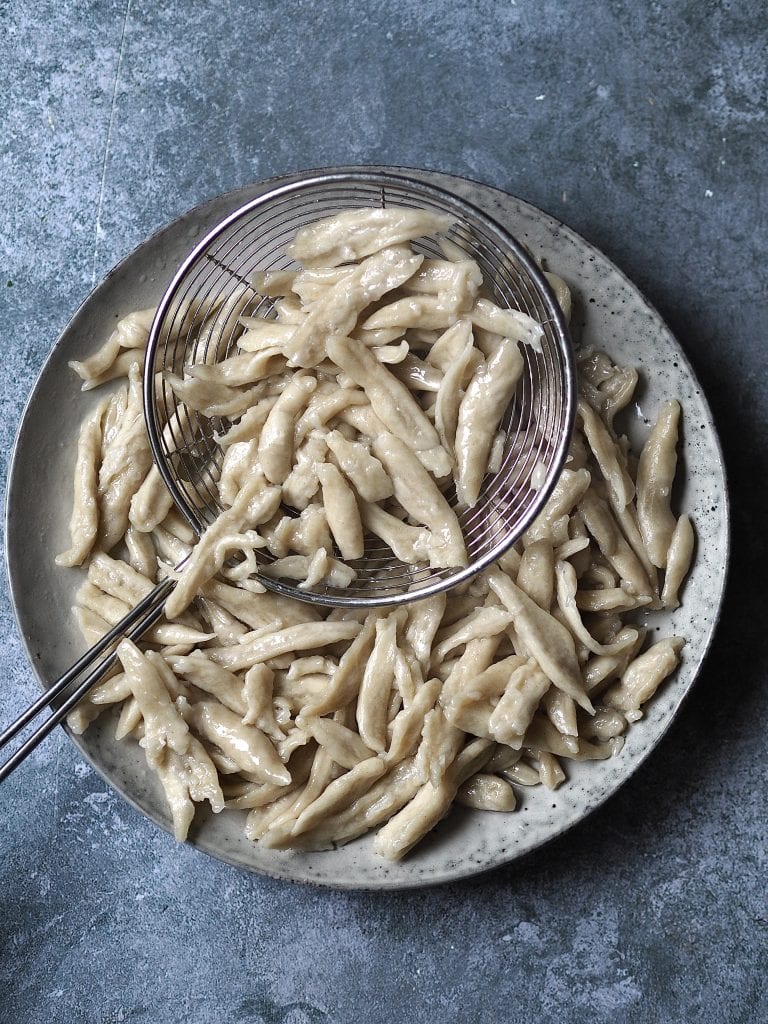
(386, 883)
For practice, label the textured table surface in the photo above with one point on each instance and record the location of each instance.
(644, 127)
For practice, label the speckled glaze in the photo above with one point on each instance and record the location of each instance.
(609, 313)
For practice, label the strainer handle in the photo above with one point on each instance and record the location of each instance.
(133, 625)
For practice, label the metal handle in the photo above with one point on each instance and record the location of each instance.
(133, 625)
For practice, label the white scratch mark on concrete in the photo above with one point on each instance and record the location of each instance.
(112, 107)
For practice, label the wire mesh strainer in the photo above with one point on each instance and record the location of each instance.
(198, 320)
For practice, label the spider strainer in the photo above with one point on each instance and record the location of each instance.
(198, 320)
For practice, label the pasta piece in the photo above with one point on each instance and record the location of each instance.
(197, 669)
(477, 656)
(427, 312)
(276, 439)
(440, 742)
(279, 833)
(424, 618)
(356, 233)
(561, 710)
(118, 579)
(340, 793)
(604, 725)
(362, 468)
(212, 397)
(376, 684)
(410, 544)
(344, 684)
(126, 462)
(418, 376)
(643, 676)
(457, 281)
(390, 400)
(261, 794)
(335, 315)
(407, 726)
(655, 474)
(112, 691)
(571, 486)
(544, 637)
(616, 393)
(470, 702)
(164, 727)
(262, 818)
(305, 533)
(609, 599)
(129, 720)
(522, 774)
(84, 522)
(113, 610)
(486, 793)
(391, 355)
(141, 552)
(562, 293)
(132, 332)
(456, 377)
(543, 736)
(326, 403)
(302, 484)
(407, 827)
(608, 457)
(226, 377)
(248, 747)
(517, 705)
(382, 800)
(485, 401)
(508, 323)
(614, 547)
(343, 745)
(312, 284)
(273, 283)
(567, 585)
(678, 561)
(536, 573)
(550, 770)
(311, 571)
(483, 622)
(342, 512)
(305, 637)
(92, 626)
(255, 503)
(260, 611)
(82, 716)
(419, 496)
(250, 424)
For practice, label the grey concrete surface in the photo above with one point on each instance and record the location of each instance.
(644, 127)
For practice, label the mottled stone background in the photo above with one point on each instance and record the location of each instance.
(644, 126)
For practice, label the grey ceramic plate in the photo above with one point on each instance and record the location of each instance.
(609, 313)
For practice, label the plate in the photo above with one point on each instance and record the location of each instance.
(609, 312)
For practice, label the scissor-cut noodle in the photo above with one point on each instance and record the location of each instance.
(418, 494)
(84, 522)
(357, 233)
(678, 561)
(342, 511)
(655, 475)
(488, 394)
